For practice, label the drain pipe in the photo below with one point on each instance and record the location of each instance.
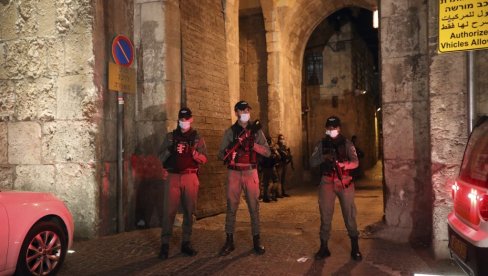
(120, 162)
(471, 91)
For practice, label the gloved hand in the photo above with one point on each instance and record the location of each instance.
(164, 173)
(233, 158)
(244, 137)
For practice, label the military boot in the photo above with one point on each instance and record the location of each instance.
(228, 246)
(323, 251)
(187, 249)
(355, 254)
(163, 252)
(258, 248)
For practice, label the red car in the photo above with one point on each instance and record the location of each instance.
(36, 230)
(468, 222)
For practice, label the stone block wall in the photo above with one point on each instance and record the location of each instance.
(338, 64)
(232, 41)
(406, 125)
(207, 91)
(253, 60)
(47, 103)
(157, 101)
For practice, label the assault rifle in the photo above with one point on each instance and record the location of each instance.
(245, 134)
(335, 164)
(290, 159)
(338, 171)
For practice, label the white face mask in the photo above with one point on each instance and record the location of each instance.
(184, 125)
(332, 133)
(244, 117)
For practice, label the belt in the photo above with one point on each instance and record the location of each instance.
(242, 167)
(187, 171)
(332, 174)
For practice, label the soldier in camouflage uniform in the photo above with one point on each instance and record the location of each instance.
(286, 158)
(182, 152)
(336, 156)
(242, 173)
(270, 173)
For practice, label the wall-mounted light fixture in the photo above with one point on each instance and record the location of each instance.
(375, 19)
(358, 92)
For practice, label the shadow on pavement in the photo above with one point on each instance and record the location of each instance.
(316, 268)
(203, 266)
(346, 269)
(131, 268)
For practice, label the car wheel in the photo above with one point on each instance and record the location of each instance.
(43, 250)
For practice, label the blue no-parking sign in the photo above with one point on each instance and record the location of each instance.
(122, 51)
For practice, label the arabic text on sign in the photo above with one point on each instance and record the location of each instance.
(463, 25)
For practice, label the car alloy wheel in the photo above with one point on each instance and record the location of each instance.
(43, 250)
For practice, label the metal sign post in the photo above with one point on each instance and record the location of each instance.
(120, 162)
(122, 79)
(471, 91)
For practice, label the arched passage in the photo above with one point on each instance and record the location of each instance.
(340, 77)
(287, 38)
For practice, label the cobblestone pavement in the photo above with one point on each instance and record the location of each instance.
(289, 231)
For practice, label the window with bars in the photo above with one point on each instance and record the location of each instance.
(315, 74)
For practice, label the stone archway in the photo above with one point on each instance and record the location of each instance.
(288, 27)
(408, 190)
(340, 78)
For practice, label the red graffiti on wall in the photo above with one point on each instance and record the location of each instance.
(146, 167)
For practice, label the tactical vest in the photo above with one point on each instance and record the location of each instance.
(181, 157)
(244, 153)
(271, 161)
(335, 147)
(283, 150)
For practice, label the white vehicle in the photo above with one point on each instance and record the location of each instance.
(468, 222)
(36, 230)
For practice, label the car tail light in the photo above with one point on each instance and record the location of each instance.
(454, 190)
(472, 195)
(484, 207)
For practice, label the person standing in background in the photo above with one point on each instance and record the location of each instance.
(285, 159)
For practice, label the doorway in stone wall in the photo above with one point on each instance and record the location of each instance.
(340, 77)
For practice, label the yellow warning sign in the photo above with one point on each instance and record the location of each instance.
(121, 79)
(463, 25)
